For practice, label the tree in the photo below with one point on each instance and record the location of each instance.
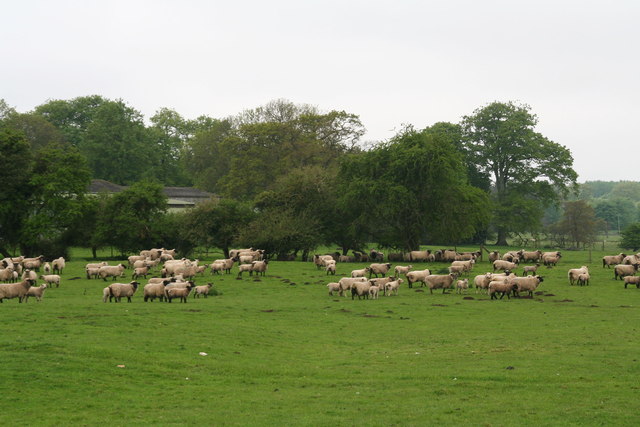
(38, 131)
(618, 213)
(168, 134)
(529, 171)
(579, 223)
(631, 237)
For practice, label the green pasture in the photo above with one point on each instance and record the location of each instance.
(281, 351)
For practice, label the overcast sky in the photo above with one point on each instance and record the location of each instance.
(576, 63)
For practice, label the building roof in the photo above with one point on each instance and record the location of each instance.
(100, 185)
(186, 195)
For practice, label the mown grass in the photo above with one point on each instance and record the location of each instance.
(280, 350)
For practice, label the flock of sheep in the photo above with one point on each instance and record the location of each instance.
(18, 275)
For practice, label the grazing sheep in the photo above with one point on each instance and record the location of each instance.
(529, 256)
(360, 273)
(347, 282)
(399, 270)
(29, 274)
(623, 270)
(575, 272)
(153, 290)
(58, 264)
(440, 281)
(467, 266)
(33, 263)
(182, 293)
(331, 269)
(259, 267)
(462, 285)
(502, 287)
(482, 281)
(51, 279)
(361, 289)
(119, 290)
(244, 267)
(493, 256)
(334, 287)
(392, 287)
(631, 280)
(504, 265)
(380, 282)
(609, 260)
(631, 259)
(374, 291)
(319, 260)
(217, 267)
(106, 294)
(419, 256)
(46, 268)
(528, 284)
(36, 291)
(6, 274)
(15, 290)
(584, 278)
(202, 290)
(92, 272)
(140, 271)
(111, 271)
(530, 269)
(379, 269)
(511, 256)
(551, 258)
(227, 264)
(417, 276)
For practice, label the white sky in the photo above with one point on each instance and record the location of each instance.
(575, 62)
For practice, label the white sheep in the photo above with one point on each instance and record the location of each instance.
(575, 272)
(528, 283)
(119, 290)
(361, 289)
(631, 280)
(29, 274)
(502, 287)
(347, 282)
(202, 290)
(504, 265)
(36, 291)
(622, 270)
(374, 291)
(331, 269)
(111, 271)
(440, 281)
(379, 269)
(462, 285)
(392, 287)
(259, 267)
(417, 276)
(583, 279)
(360, 273)
(15, 290)
(46, 268)
(182, 293)
(399, 270)
(51, 279)
(58, 265)
(333, 287)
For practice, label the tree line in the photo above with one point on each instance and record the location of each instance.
(290, 178)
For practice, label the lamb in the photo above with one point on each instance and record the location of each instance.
(482, 281)
(92, 272)
(334, 287)
(379, 269)
(381, 282)
(392, 287)
(140, 271)
(153, 290)
(227, 264)
(504, 265)
(584, 278)
(462, 285)
(106, 294)
(111, 271)
(530, 269)
(347, 282)
(440, 281)
(528, 284)
(631, 280)
(417, 276)
(119, 290)
(374, 291)
(36, 291)
(58, 265)
(609, 260)
(46, 267)
(244, 267)
(331, 269)
(51, 279)
(456, 269)
(29, 274)
(217, 267)
(623, 270)
(466, 265)
(550, 260)
(182, 293)
(503, 288)
(399, 270)
(360, 273)
(575, 272)
(15, 290)
(361, 289)
(202, 290)
(259, 267)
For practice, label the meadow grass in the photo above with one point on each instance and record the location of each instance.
(280, 350)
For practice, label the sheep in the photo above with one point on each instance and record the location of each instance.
(495, 255)
(609, 260)
(376, 255)
(58, 264)
(217, 267)
(392, 287)
(33, 263)
(140, 271)
(361, 289)
(202, 290)
(462, 285)
(259, 267)
(456, 269)
(467, 266)
(440, 281)
(46, 268)
(347, 282)
(182, 293)
(511, 256)
(504, 265)
(583, 279)
(575, 272)
(319, 260)
(92, 272)
(503, 288)
(333, 287)
(379, 269)
(244, 267)
(135, 258)
(96, 265)
(631, 280)
(119, 290)
(482, 281)
(417, 276)
(15, 290)
(550, 260)
(399, 270)
(226, 264)
(631, 259)
(111, 271)
(106, 294)
(331, 269)
(529, 284)
(36, 291)
(51, 279)
(360, 273)
(29, 274)
(234, 252)
(529, 256)
(142, 263)
(419, 256)
(622, 270)
(374, 291)
(153, 290)
(6, 274)
(187, 271)
(346, 258)
(530, 269)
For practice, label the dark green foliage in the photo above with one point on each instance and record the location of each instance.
(618, 213)
(631, 237)
(579, 223)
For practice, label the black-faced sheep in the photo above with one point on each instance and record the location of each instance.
(202, 290)
(379, 269)
(417, 276)
(631, 280)
(15, 290)
(182, 293)
(440, 281)
(575, 272)
(119, 290)
(623, 270)
(609, 260)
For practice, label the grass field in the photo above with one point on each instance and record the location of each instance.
(280, 350)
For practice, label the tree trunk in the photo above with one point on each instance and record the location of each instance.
(305, 255)
(4, 252)
(502, 238)
(94, 252)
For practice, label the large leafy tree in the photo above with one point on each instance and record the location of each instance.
(529, 172)
(168, 134)
(579, 223)
(631, 237)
